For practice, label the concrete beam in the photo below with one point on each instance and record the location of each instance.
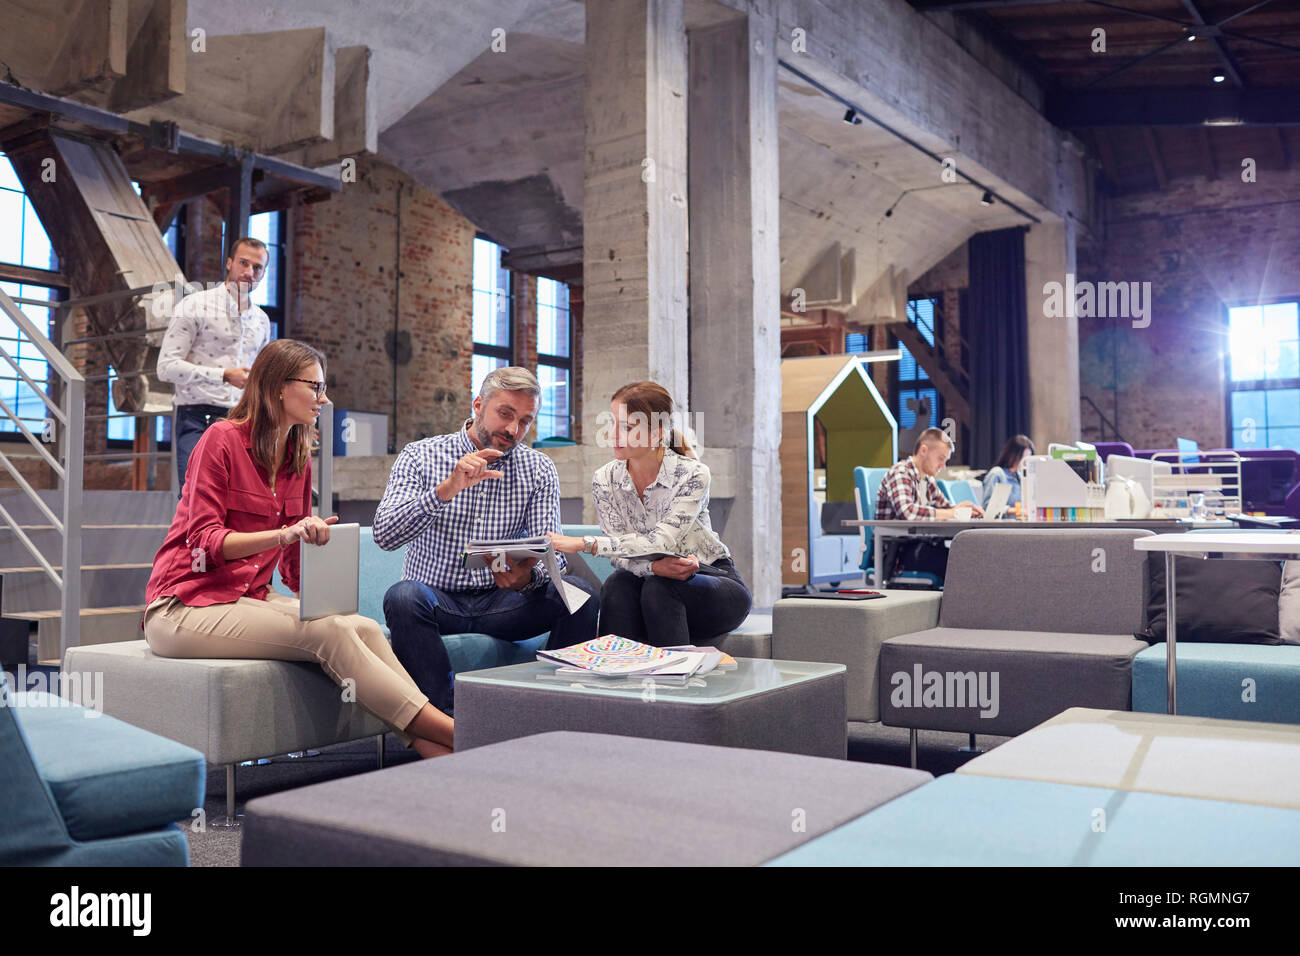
(419, 45)
(63, 47)
(821, 284)
(634, 201)
(156, 57)
(265, 92)
(356, 114)
(1053, 342)
(735, 281)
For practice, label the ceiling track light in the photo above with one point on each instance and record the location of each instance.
(986, 199)
(851, 117)
(1219, 77)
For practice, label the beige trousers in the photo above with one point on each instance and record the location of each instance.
(348, 646)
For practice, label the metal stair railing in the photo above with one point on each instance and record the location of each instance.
(1103, 421)
(70, 414)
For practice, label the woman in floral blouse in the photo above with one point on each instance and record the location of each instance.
(674, 581)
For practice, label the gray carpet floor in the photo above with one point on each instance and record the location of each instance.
(211, 846)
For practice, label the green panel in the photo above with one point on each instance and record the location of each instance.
(859, 431)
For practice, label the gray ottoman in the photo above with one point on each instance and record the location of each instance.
(229, 710)
(753, 638)
(565, 799)
(850, 633)
(791, 706)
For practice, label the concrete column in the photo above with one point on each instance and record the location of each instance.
(634, 204)
(1053, 341)
(735, 282)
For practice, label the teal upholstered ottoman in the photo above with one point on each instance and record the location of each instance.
(989, 821)
(1232, 681)
(108, 777)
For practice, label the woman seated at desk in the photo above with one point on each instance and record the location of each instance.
(1007, 469)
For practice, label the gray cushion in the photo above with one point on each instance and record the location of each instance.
(1046, 580)
(753, 638)
(1038, 675)
(565, 799)
(1288, 603)
(229, 710)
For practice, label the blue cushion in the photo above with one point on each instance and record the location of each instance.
(164, 847)
(107, 776)
(379, 570)
(1211, 676)
(963, 820)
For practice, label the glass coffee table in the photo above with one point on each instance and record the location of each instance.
(789, 706)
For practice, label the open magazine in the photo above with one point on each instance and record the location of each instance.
(612, 657)
(482, 554)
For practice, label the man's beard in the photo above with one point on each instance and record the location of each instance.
(485, 439)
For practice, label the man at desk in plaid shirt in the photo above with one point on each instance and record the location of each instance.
(479, 483)
(910, 492)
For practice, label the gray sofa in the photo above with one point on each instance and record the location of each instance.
(1032, 622)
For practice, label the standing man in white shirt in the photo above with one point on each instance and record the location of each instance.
(210, 345)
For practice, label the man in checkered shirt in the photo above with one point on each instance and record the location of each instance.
(909, 492)
(481, 482)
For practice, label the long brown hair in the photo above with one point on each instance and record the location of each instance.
(259, 407)
(653, 401)
(1016, 446)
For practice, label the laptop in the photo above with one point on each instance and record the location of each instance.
(998, 503)
(328, 574)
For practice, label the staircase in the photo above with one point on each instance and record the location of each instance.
(121, 532)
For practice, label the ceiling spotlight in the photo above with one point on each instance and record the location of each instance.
(851, 117)
(1191, 37)
(1219, 77)
(986, 199)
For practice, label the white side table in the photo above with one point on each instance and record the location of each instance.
(1232, 545)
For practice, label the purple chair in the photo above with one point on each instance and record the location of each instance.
(1107, 448)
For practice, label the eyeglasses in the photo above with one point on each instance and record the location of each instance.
(317, 387)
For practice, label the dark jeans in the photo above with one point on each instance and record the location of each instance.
(418, 615)
(666, 612)
(191, 422)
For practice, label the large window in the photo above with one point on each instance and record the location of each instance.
(269, 227)
(554, 359)
(493, 315)
(1264, 375)
(23, 242)
(910, 380)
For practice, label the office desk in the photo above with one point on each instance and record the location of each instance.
(936, 528)
(1237, 545)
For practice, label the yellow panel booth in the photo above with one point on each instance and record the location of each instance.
(832, 420)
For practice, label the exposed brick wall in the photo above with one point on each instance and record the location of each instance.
(205, 259)
(1204, 245)
(344, 293)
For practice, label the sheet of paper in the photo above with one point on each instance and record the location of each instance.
(573, 597)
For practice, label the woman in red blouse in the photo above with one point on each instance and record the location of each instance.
(244, 509)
